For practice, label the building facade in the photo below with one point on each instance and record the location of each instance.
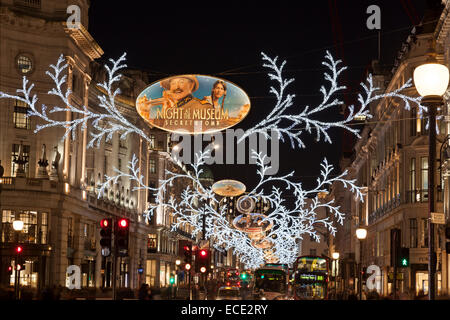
(391, 162)
(56, 191)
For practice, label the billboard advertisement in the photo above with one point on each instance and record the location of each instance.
(193, 104)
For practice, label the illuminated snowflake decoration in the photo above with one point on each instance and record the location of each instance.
(197, 205)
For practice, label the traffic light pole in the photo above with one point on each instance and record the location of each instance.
(16, 278)
(114, 263)
(189, 285)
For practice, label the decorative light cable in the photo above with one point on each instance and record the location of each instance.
(197, 205)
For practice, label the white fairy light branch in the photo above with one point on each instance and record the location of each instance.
(196, 204)
(307, 119)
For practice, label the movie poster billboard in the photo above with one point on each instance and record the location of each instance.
(193, 104)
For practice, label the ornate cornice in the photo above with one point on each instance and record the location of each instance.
(85, 41)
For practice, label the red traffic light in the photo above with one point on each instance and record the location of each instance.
(203, 253)
(19, 249)
(104, 223)
(123, 223)
(186, 248)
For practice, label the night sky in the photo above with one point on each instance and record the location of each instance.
(225, 39)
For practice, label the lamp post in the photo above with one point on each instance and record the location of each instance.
(361, 234)
(335, 256)
(18, 227)
(431, 81)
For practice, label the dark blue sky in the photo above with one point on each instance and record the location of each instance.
(226, 38)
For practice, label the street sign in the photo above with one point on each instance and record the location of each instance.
(437, 218)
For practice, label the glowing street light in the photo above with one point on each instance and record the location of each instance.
(431, 81)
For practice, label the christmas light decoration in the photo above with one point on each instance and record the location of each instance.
(197, 205)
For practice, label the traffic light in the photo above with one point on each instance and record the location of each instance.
(187, 266)
(10, 270)
(123, 228)
(187, 254)
(106, 236)
(172, 280)
(202, 261)
(447, 237)
(403, 258)
(18, 251)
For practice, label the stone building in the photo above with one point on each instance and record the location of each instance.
(391, 162)
(55, 192)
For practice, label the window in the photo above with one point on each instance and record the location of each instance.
(150, 272)
(30, 226)
(70, 232)
(15, 155)
(7, 230)
(74, 83)
(412, 178)
(413, 233)
(34, 231)
(24, 64)
(151, 195)
(424, 178)
(152, 141)
(152, 242)
(424, 233)
(152, 165)
(413, 123)
(20, 118)
(44, 227)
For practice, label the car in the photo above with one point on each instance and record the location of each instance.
(228, 293)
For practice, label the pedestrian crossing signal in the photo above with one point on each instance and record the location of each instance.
(404, 258)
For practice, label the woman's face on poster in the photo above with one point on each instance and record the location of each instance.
(219, 90)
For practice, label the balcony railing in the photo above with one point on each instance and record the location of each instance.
(421, 195)
(413, 196)
(28, 3)
(386, 208)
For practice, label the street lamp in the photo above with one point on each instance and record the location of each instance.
(361, 234)
(431, 81)
(18, 227)
(335, 256)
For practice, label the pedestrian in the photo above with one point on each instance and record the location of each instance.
(143, 292)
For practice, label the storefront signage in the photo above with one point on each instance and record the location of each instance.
(193, 104)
